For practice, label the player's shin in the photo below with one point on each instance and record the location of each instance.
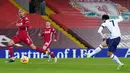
(115, 58)
(97, 50)
(49, 58)
(52, 54)
(11, 52)
(48, 54)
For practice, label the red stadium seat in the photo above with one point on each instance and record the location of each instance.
(72, 21)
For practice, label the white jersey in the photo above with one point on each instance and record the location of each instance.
(112, 25)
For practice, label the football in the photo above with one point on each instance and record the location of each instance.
(24, 60)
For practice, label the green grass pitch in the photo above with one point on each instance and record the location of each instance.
(93, 65)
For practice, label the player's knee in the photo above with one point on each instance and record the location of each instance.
(45, 48)
(103, 44)
(109, 54)
(33, 46)
(48, 50)
(10, 43)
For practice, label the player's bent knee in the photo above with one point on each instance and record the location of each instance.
(10, 43)
(104, 44)
(110, 53)
(33, 46)
(49, 50)
(44, 47)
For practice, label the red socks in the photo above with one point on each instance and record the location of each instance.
(11, 52)
(52, 54)
(43, 51)
(40, 49)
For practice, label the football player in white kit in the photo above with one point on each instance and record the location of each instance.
(112, 41)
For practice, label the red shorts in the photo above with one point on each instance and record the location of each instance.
(25, 39)
(46, 45)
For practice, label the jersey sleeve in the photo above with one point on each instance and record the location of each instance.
(100, 29)
(55, 33)
(53, 30)
(119, 19)
(103, 25)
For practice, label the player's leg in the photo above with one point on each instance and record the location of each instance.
(47, 49)
(37, 48)
(14, 40)
(115, 59)
(49, 56)
(47, 53)
(111, 49)
(97, 50)
(28, 41)
(11, 52)
(10, 43)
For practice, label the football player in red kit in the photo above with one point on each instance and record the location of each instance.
(47, 34)
(22, 36)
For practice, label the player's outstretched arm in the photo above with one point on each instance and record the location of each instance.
(55, 34)
(120, 18)
(41, 34)
(100, 31)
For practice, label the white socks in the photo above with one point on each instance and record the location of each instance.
(97, 50)
(114, 58)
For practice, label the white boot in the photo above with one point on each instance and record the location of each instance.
(120, 66)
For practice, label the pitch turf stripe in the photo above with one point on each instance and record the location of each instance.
(49, 11)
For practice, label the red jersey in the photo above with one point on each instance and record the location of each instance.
(48, 33)
(23, 29)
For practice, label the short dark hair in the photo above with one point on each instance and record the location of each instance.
(47, 21)
(105, 17)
